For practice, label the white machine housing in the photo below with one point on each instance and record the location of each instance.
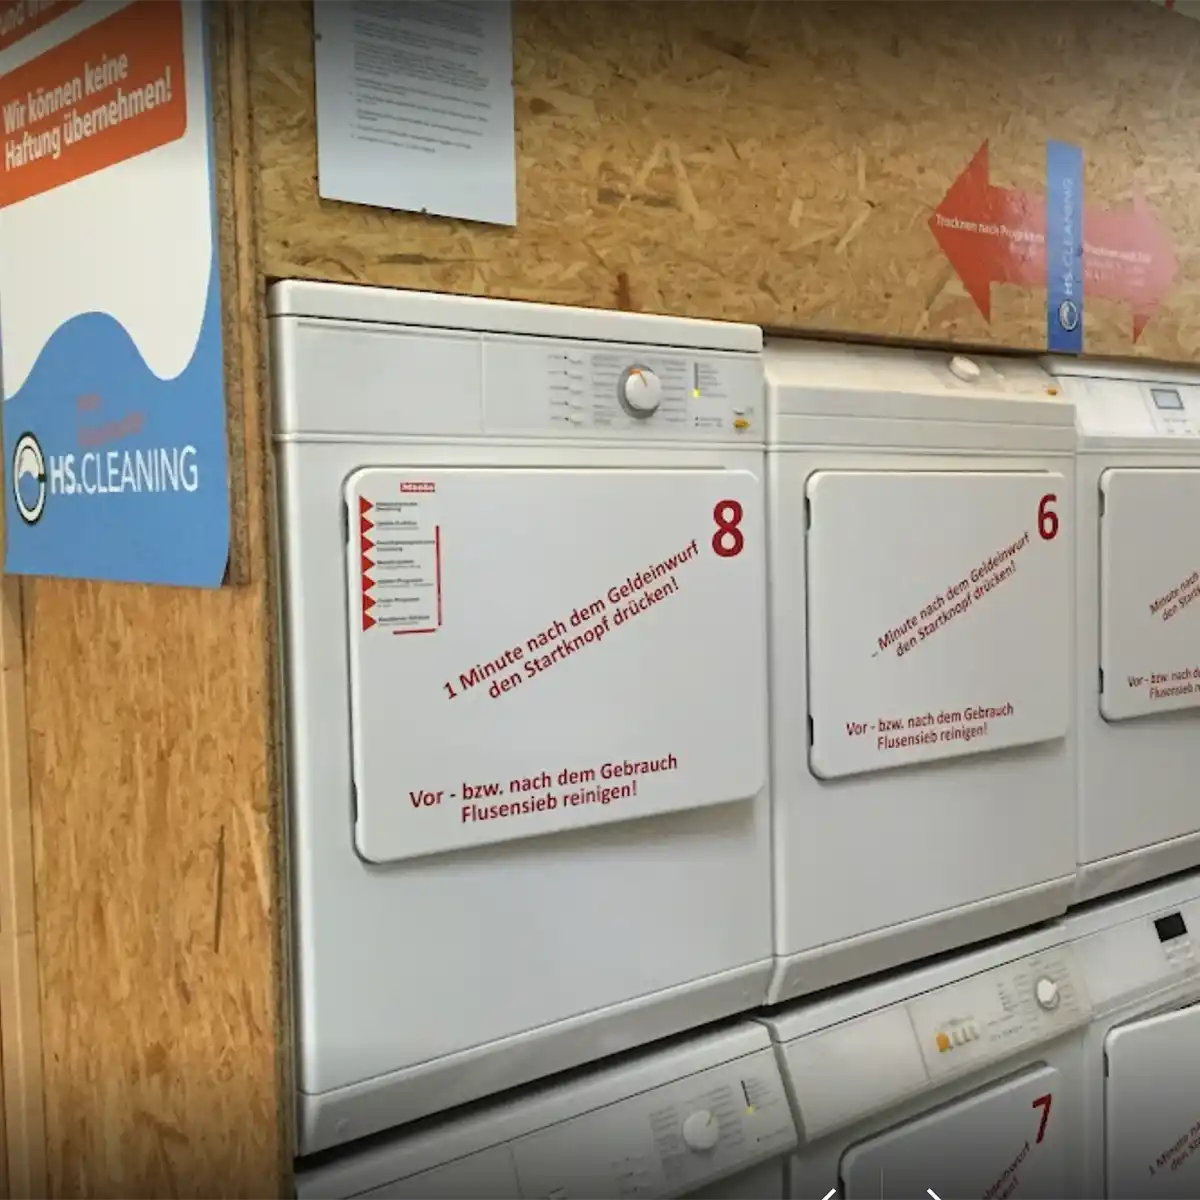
(567, 507)
(960, 1078)
(1140, 956)
(1138, 626)
(921, 512)
(706, 1117)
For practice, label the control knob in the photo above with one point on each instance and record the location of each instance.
(1046, 993)
(701, 1130)
(640, 392)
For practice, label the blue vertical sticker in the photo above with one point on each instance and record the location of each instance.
(1064, 248)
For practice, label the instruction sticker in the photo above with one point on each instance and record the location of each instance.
(938, 615)
(1149, 593)
(593, 650)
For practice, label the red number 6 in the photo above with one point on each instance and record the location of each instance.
(1047, 518)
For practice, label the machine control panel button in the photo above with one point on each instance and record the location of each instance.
(965, 369)
(701, 1130)
(1047, 994)
(640, 392)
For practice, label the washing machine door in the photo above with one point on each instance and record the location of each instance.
(1001, 1141)
(1152, 1107)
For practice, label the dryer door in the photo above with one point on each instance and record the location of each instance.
(1149, 585)
(1002, 1141)
(939, 608)
(533, 651)
(1152, 1107)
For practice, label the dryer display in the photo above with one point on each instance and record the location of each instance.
(555, 648)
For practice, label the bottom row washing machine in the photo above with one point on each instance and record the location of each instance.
(705, 1116)
(1141, 1053)
(956, 1078)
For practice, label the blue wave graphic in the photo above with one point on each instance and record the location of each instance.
(103, 421)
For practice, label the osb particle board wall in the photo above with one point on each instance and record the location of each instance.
(774, 162)
(149, 729)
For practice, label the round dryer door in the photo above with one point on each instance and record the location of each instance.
(1001, 1141)
(1152, 1107)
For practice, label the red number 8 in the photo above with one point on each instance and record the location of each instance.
(728, 541)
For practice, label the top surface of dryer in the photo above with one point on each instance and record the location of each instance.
(440, 310)
(1134, 406)
(658, 1124)
(817, 379)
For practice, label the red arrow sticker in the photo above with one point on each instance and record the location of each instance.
(998, 235)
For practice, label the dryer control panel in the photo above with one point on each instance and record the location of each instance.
(847, 1072)
(1141, 956)
(1134, 408)
(665, 1141)
(580, 388)
(998, 1012)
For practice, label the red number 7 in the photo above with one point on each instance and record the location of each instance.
(1043, 1102)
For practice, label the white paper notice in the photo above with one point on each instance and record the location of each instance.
(415, 106)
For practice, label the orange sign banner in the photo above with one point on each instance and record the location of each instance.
(111, 93)
(19, 18)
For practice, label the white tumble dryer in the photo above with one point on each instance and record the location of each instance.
(1138, 625)
(1140, 957)
(959, 1078)
(921, 517)
(705, 1117)
(523, 582)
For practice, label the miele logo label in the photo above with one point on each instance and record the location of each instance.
(418, 487)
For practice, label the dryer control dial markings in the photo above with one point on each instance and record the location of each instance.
(1047, 994)
(640, 392)
(701, 1130)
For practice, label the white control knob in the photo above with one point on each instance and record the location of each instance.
(964, 369)
(1046, 993)
(701, 1130)
(641, 392)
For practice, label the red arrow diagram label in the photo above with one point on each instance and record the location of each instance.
(998, 235)
(365, 546)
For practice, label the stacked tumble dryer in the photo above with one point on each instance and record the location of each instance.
(524, 571)
(1138, 621)
(922, 529)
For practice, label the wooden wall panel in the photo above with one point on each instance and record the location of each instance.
(773, 162)
(24, 1129)
(156, 833)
